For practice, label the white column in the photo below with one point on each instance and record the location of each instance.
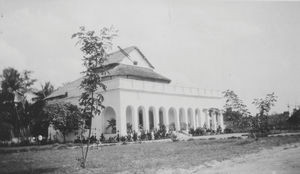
(146, 121)
(194, 120)
(214, 120)
(166, 119)
(186, 119)
(199, 122)
(156, 118)
(135, 119)
(222, 121)
(120, 120)
(206, 116)
(177, 121)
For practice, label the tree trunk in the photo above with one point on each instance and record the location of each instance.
(87, 146)
(89, 136)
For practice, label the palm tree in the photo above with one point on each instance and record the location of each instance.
(45, 91)
(14, 86)
(39, 118)
(112, 125)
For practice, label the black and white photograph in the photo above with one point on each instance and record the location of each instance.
(154, 87)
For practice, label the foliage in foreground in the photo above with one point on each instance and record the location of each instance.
(94, 47)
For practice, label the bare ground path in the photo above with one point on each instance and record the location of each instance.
(279, 160)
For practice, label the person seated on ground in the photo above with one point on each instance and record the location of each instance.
(40, 138)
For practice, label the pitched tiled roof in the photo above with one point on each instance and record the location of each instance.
(115, 69)
(72, 89)
(134, 72)
(69, 89)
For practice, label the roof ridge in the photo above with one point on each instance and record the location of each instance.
(135, 47)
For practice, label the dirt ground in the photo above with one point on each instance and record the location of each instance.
(279, 160)
(272, 155)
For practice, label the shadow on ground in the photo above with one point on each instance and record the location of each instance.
(34, 171)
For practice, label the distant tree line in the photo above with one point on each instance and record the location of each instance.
(22, 111)
(237, 118)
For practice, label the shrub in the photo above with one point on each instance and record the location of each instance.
(129, 138)
(157, 135)
(134, 136)
(199, 131)
(77, 140)
(93, 139)
(143, 135)
(111, 140)
(161, 132)
(149, 137)
(228, 131)
(192, 131)
(102, 138)
(123, 138)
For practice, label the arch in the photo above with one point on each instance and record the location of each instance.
(162, 116)
(191, 119)
(129, 119)
(109, 121)
(172, 119)
(182, 119)
(151, 117)
(141, 117)
(198, 118)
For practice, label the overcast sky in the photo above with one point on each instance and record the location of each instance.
(252, 48)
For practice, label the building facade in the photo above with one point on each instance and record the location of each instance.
(139, 98)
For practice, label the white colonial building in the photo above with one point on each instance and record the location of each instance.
(139, 98)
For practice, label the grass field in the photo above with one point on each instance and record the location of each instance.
(137, 157)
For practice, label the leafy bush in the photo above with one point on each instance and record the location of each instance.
(111, 140)
(161, 132)
(129, 137)
(102, 138)
(77, 140)
(149, 136)
(192, 131)
(228, 131)
(134, 137)
(143, 135)
(123, 139)
(199, 132)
